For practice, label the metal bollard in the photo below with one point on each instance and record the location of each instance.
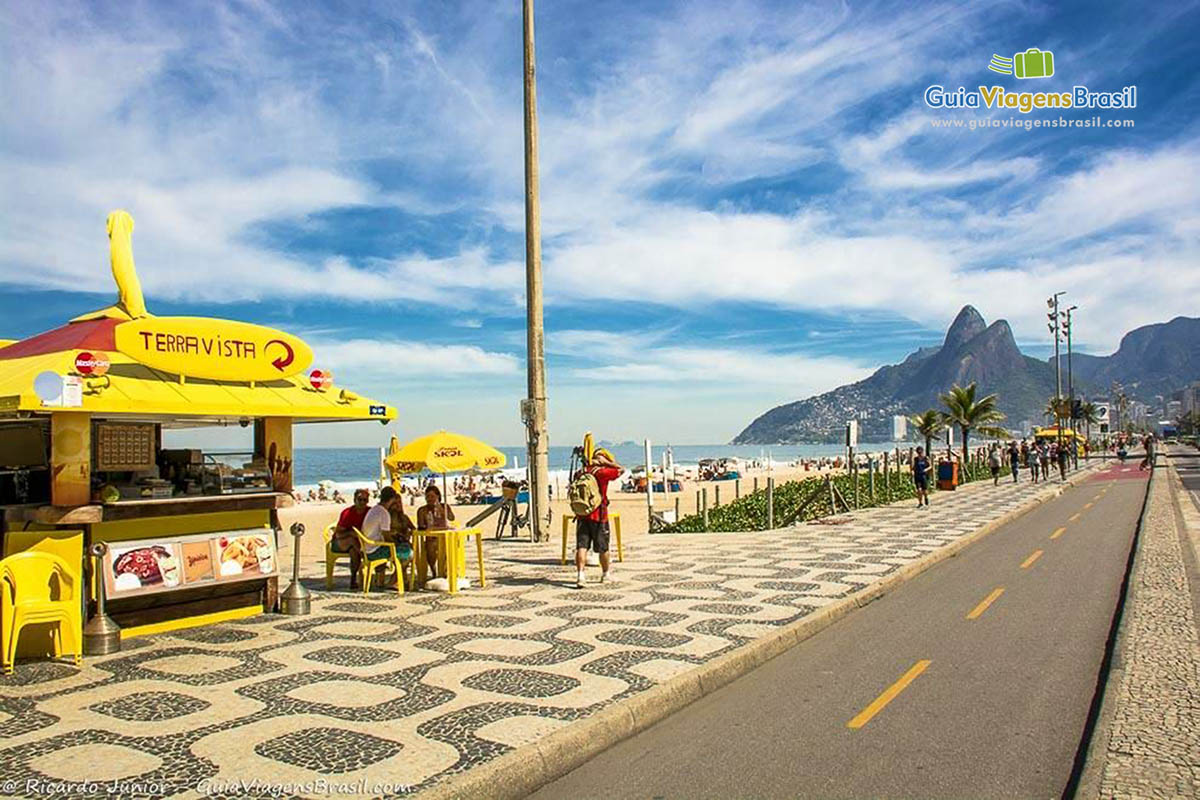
(101, 635)
(297, 600)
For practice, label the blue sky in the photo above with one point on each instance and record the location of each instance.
(743, 203)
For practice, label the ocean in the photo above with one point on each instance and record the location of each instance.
(347, 467)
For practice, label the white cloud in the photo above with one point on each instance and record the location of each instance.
(372, 359)
(208, 121)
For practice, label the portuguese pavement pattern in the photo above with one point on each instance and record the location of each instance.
(411, 689)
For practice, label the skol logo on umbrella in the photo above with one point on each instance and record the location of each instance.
(1033, 63)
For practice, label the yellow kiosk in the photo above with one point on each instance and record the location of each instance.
(192, 536)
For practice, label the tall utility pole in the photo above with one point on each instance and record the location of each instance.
(1052, 304)
(1071, 384)
(537, 435)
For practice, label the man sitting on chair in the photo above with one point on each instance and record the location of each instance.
(377, 526)
(345, 539)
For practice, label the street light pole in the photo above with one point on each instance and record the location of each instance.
(1071, 388)
(1052, 303)
(536, 431)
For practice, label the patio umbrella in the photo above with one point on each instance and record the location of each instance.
(444, 452)
(392, 451)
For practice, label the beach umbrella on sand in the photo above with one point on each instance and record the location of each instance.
(444, 452)
(392, 452)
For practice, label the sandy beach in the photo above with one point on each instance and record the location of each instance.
(630, 505)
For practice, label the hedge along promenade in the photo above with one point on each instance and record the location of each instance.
(816, 497)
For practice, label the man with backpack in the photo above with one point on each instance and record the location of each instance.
(588, 495)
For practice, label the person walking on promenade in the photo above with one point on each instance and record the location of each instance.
(1148, 445)
(1044, 458)
(1061, 455)
(591, 529)
(921, 467)
(1033, 461)
(1014, 460)
(994, 463)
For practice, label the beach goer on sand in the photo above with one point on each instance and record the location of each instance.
(591, 530)
(345, 537)
(921, 467)
(377, 526)
(994, 463)
(433, 516)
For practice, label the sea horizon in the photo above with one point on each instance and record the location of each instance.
(346, 466)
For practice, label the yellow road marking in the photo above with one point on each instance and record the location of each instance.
(1058, 532)
(889, 694)
(987, 601)
(1074, 517)
(1086, 506)
(1027, 563)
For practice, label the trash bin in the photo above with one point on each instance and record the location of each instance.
(947, 475)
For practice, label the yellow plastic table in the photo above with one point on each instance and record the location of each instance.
(453, 543)
(614, 519)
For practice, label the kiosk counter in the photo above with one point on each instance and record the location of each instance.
(192, 536)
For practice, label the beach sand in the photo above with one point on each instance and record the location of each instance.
(631, 506)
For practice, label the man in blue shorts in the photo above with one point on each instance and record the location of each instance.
(921, 467)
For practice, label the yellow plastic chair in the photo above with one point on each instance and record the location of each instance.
(36, 589)
(332, 556)
(614, 521)
(376, 554)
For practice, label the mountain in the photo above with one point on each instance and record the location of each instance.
(1151, 360)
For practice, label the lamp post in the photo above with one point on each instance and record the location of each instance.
(1071, 384)
(1052, 304)
(536, 429)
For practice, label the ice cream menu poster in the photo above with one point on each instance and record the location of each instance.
(143, 567)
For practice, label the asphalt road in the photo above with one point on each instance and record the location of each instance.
(1187, 464)
(930, 691)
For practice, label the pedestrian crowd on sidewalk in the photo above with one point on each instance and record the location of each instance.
(1039, 457)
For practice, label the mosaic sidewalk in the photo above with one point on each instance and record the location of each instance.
(1153, 749)
(384, 695)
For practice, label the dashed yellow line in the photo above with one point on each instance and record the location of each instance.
(1058, 532)
(978, 610)
(889, 694)
(1086, 506)
(1034, 556)
(1075, 516)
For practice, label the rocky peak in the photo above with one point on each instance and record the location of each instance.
(966, 326)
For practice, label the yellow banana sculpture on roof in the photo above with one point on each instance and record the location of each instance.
(131, 304)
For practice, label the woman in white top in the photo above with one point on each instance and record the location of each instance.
(433, 516)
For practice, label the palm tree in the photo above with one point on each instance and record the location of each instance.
(1058, 409)
(929, 423)
(1089, 416)
(971, 414)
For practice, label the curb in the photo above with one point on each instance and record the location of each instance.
(522, 771)
(1087, 776)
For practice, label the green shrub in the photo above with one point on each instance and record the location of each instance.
(749, 513)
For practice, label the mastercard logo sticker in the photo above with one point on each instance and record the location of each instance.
(92, 364)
